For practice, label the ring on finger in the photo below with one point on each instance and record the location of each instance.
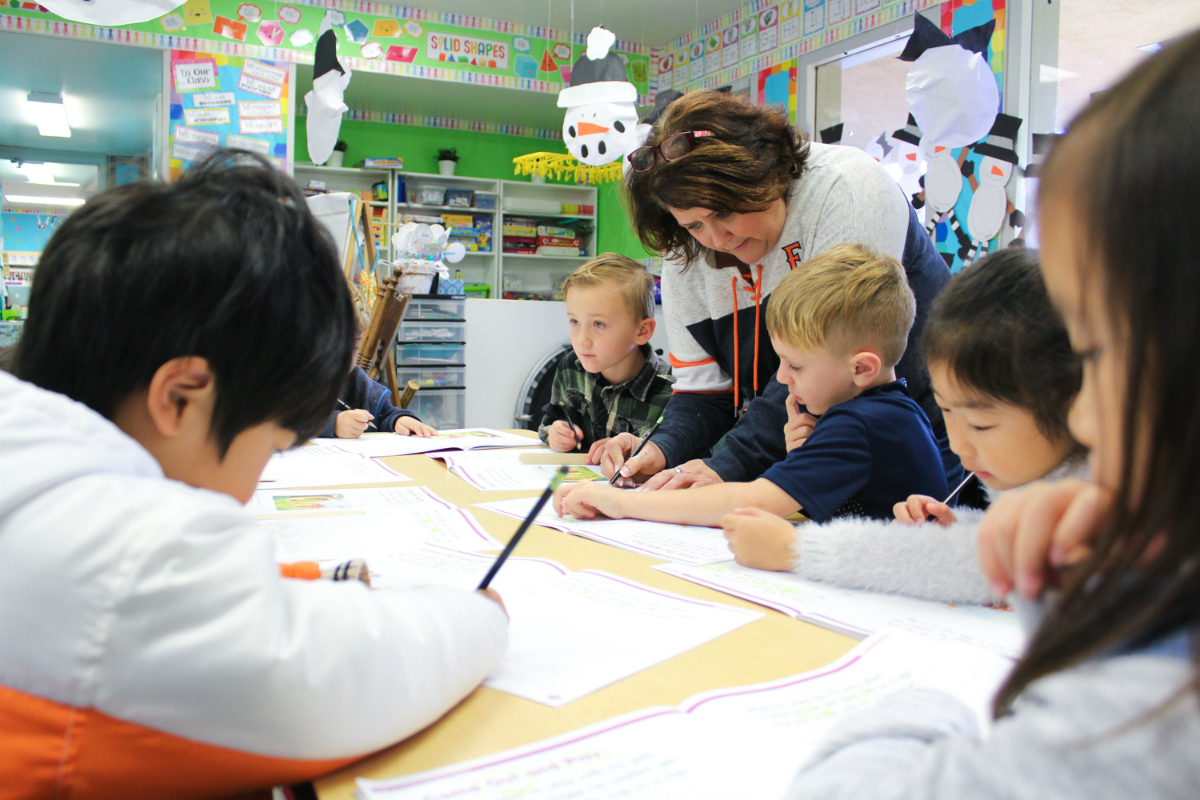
(679, 470)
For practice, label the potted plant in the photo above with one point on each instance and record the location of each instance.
(447, 157)
(339, 152)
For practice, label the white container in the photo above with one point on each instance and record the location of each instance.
(414, 277)
(335, 158)
(446, 168)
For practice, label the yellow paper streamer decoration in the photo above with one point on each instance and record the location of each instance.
(562, 166)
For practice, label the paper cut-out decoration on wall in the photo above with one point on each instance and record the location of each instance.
(270, 33)
(301, 38)
(951, 89)
(172, 22)
(906, 164)
(325, 106)
(230, 28)
(249, 12)
(525, 66)
(548, 63)
(396, 52)
(288, 14)
(943, 183)
(832, 134)
(386, 29)
(601, 120)
(333, 17)
(878, 148)
(990, 206)
(111, 12)
(356, 31)
(372, 50)
(197, 12)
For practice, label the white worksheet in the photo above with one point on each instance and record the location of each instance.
(588, 629)
(268, 501)
(859, 612)
(746, 741)
(379, 445)
(373, 535)
(321, 465)
(683, 544)
(493, 470)
(433, 564)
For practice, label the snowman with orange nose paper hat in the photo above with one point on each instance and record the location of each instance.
(601, 123)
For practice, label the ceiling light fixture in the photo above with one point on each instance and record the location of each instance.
(49, 113)
(37, 173)
(55, 194)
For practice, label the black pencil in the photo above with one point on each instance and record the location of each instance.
(555, 482)
(636, 450)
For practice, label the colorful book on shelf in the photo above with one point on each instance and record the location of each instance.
(555, 230)
(396, 162)
(518, 230)
(558, 241)
(561, 251)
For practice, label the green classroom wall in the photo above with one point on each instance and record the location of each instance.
(481, 155)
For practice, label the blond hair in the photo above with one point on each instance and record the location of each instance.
(628, 277)
(846, 299)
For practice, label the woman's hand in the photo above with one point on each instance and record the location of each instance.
(411, 426)
(588, 500)
(613, 455)
(760, 539)
(1028, 535)
(799, 425)
(693, 473)
(918, 508)
(351, 424)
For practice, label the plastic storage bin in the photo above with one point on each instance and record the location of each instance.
(436, 309)
(488, 200)
(460, 198)
(441, 408)
(421, 354)
(429, 195)
(434, 377)
(432, 331)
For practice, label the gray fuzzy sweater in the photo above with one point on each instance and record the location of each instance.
(925, 561)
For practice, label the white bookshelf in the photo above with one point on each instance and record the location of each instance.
(533, 273)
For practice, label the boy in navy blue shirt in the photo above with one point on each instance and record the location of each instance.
(839, 323)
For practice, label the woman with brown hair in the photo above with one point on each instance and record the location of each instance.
(734, 199)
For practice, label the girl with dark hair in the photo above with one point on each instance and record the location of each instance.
(1104, 702)
(734, 199)
(1004, 377)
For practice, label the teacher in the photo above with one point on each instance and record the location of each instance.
(734, 198)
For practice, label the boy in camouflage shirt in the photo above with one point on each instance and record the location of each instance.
(611, 381)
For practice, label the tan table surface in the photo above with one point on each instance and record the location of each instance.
(488, 721)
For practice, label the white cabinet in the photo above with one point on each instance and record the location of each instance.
(429, 197)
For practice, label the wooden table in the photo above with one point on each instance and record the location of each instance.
(488, 721)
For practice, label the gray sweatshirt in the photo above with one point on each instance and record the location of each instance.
(925, 561)
(1099, 730)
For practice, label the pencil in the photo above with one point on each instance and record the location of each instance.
(950, 496)
(555, 482)
(612, 481)
(571, 425)
(342, 403)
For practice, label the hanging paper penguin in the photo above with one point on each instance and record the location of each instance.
(325, 106)
(906, 164)
(601, 120)
(951, 89)
(990, 205)
(832, 134)
(110, 12)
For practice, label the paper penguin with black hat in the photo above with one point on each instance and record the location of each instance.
(601, 123)
(990, 206)
(325, 101)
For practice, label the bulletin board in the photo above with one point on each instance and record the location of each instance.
(218, 100)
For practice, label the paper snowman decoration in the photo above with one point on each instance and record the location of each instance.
(325, 101)
(906, 164)
(110, 12)
(878, 148)
(601, 123)
(990, 205)
(951, 89)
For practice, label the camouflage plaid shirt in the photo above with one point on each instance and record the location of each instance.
(603, 409)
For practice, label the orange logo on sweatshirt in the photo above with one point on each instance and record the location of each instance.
(793, 254)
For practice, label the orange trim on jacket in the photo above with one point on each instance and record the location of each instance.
(48, 749)
(755, 290)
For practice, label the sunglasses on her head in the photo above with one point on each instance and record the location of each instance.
(675, 146)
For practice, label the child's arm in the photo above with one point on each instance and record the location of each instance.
(918, 508)
(704, 505)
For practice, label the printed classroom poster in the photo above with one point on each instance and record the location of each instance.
(227, 101)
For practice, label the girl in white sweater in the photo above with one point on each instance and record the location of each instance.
(1004, 376)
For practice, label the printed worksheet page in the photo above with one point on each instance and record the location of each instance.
(379, 445)
(683, 544)
(496, 470)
